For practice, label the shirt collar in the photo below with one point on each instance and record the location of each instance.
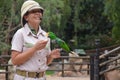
(29, 32)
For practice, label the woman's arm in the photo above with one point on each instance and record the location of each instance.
(19, 58)
(54, 54)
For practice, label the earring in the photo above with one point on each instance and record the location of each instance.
(26, 19)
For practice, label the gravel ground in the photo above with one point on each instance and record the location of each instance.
(58, 78)
(2, 77)
(68, 78)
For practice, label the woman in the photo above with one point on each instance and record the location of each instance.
(30, 47)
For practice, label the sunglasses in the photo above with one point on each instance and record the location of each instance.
(35, 11)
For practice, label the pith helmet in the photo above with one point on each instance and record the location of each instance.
(28, 6)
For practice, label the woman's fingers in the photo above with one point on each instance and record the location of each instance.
(40, 44)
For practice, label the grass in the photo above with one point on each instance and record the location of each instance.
(1, 67)
(49, 72)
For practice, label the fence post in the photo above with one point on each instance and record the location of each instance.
(96, 60)
(6, 76)
(92, 67)
(62, 67)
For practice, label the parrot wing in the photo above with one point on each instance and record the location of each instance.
(62, 44)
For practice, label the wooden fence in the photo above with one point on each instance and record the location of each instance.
(5, 66)
(100, 62)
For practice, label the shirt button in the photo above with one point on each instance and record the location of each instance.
(39, 60)
(39, 68)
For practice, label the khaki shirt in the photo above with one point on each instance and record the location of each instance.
(23, 40)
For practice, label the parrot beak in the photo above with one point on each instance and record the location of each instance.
(47, 34)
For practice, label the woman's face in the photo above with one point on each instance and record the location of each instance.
(34, 17)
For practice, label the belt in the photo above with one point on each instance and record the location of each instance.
(30, 74)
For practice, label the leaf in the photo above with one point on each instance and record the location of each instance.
(28, 45)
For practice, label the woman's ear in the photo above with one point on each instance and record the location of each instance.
(25, 17)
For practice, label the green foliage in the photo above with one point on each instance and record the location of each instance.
(86, 19)
(78, 20)
(116, 33)
(112, 9)
(3, 47)
(52, 14)
(9, 17)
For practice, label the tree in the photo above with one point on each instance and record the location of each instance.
(112, 9)
(85, 22)
(9, 22)
(78, 20)
(10, 19)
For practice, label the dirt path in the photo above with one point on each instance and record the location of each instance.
(2, 77)
(68, 78)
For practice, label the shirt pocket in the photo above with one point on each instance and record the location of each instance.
(28, 45)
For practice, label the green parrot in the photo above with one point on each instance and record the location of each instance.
(59, 41)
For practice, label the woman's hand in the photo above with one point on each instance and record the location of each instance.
(55, 53)
(40, 45)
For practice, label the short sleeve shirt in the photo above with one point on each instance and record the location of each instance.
(25, 39)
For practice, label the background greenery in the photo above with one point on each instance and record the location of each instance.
(78, 22)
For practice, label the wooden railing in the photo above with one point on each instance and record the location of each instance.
(62, 64)
(100, 61)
